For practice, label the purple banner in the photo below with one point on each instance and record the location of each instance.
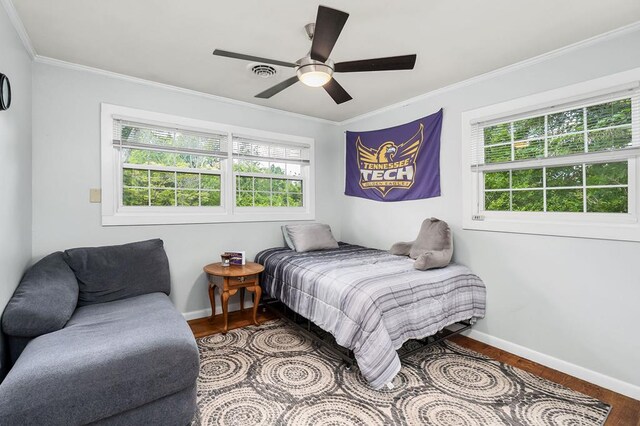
(395, 164)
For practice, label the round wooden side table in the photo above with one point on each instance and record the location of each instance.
(230, 279)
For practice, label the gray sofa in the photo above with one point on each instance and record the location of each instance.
(93, 339)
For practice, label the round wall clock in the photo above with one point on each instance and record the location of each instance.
(5, 92)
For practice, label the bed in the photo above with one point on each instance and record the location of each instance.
(370, 300)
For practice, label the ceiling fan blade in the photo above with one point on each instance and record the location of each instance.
(277, 88)
(329, 24)
(337, 92)
(406, 62)
(234, 55)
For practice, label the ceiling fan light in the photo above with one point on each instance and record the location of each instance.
(315, 75)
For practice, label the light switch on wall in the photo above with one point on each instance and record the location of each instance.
(95, 195)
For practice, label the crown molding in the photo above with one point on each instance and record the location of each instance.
(70, 65)
(618, 32)
(19, 26)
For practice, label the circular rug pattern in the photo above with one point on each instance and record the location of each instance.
(334, 410)
(273, 375)
(238, 407)
(458, 375)
(279, 340)
(299, 377)
(430, 407)
(222, 371)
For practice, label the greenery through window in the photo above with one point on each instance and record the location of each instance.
(583, 186)
(267, 184)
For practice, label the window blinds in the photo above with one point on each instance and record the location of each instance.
(128, 134)
(598, 129)
(264, 150)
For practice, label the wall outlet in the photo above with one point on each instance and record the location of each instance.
(477, 217)
(95, 195)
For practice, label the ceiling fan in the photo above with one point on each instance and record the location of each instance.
(316, 69)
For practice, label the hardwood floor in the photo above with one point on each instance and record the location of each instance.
(625, 411)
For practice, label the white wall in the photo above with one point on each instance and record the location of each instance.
(66, 163)
(567, 298)
(15, 173)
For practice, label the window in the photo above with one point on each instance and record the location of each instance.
(559, 168)
(159, 169)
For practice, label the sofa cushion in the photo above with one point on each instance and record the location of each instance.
(43, 301)
(112, 273)
(111, 357)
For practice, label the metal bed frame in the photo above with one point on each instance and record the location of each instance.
(311, 331)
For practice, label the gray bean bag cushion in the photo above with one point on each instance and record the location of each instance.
(433, 248)
(44, 300)
(112, 273)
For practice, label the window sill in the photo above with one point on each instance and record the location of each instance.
(131, 218)
(622, 228)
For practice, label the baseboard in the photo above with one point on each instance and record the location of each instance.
(574, 370)
(235, 306)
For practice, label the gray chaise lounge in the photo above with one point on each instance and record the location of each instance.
(93, 338)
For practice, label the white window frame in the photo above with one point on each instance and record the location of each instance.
(613, 226)
(113, 213)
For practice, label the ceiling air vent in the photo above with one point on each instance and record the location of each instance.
(263, 70)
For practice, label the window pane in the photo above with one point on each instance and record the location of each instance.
(497, 134)
(251, 166)
(610, 114)
(528, 201)
(294, 170)
(157, 158)
(210, 198)
(294, 200)
(135, 156)
(528, 149)
(188, 180)
(496, 200)
(263, 199)
(210, 181)
(564, 176)
(197, 162)
(497, 154)
(244, 199)
(564, 200)
(529, 128)
(278, 168)
(496, 180)
(607, 200)
(262, 184)
(133, 177)
(601, 140)
(294, 186)
(163, 197)
(279, 200)
(135, 197)
(566, 122)
(244, 183)
(528, 178)
(162, 179)
(188, 198)
(279, 185)
(564, 145)
(607, 174)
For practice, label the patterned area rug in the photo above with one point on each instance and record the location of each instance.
(272, 375)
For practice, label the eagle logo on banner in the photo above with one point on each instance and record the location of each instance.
(390, 166)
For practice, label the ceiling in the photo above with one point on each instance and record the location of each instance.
(170, 41)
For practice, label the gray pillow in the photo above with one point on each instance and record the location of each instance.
(287, 238)
(44, 300)
(309, 237)
(118, 272)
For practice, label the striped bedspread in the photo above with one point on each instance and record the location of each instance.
(370, 300)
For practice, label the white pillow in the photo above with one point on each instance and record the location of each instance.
(309, 237)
